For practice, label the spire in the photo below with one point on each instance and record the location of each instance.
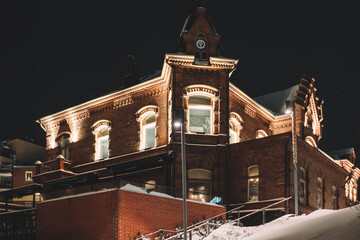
(198, 36)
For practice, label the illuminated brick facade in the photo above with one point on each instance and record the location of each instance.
(122, 124)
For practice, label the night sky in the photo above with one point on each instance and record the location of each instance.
(57, 54)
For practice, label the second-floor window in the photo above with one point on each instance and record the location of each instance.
(200, 114)
(148, 132)
(64, 143)
(102, 143)
(101, 131)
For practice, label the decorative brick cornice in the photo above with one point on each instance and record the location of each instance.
(201, 88)
(188, 60)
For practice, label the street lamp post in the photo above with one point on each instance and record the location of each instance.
(181, 124)
(291, 110)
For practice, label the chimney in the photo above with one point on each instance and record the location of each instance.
(132, 77)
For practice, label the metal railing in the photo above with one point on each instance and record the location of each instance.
(208, 225)
(194, 226)
(18, 225)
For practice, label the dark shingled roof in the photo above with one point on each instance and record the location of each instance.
(340, 153)
(276, 101)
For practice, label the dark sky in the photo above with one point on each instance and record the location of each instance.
(56, 54)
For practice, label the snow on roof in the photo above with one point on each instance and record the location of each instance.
(276, 101)
(131, 188)
(320, 225)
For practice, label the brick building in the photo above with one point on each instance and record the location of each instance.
(237, 147)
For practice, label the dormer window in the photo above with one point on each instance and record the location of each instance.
(102, 140)
(200, 112)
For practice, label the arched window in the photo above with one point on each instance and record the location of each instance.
(261, 134)
(303, 186)
(199, 184)
(334, 198)
(200, 114)
(148, 132)
(147, 119)
(234, 128)
(64, 143)
(311, 141)
(101, 130)
(253, 183)
(64, 148)
(320, 190)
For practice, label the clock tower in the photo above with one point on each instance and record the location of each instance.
(198, 36)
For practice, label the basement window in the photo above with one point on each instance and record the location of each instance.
(253, 183)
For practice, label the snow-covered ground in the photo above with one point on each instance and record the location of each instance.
(319, 225)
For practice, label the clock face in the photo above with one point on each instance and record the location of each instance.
(200, 44)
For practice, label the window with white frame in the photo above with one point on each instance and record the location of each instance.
(200, 114)
(253, 183)
(235, 126)
(233, 136)
(303, 186)
(146, 116)
(28, 175)
(148, 138)
(102, 139)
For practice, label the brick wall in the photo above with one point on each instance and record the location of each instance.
(19, 176)
(113, 214)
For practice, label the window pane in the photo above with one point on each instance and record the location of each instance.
(104, 148)
(253, 171)
(149, 119)
(199, 191)
(202, 100)
(199, 120)
(149, 136)
(254, 189)
(104, 132)
(233, 137)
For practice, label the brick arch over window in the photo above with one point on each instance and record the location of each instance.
(101, 130)
(235, 126)
(146, 116)
(206, 92)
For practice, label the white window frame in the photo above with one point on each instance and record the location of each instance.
(142, 114)
(201, 107)
(144, 137)
(237, 121)
(31, 175)
(97, 128)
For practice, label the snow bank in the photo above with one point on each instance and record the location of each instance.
(319, 225)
